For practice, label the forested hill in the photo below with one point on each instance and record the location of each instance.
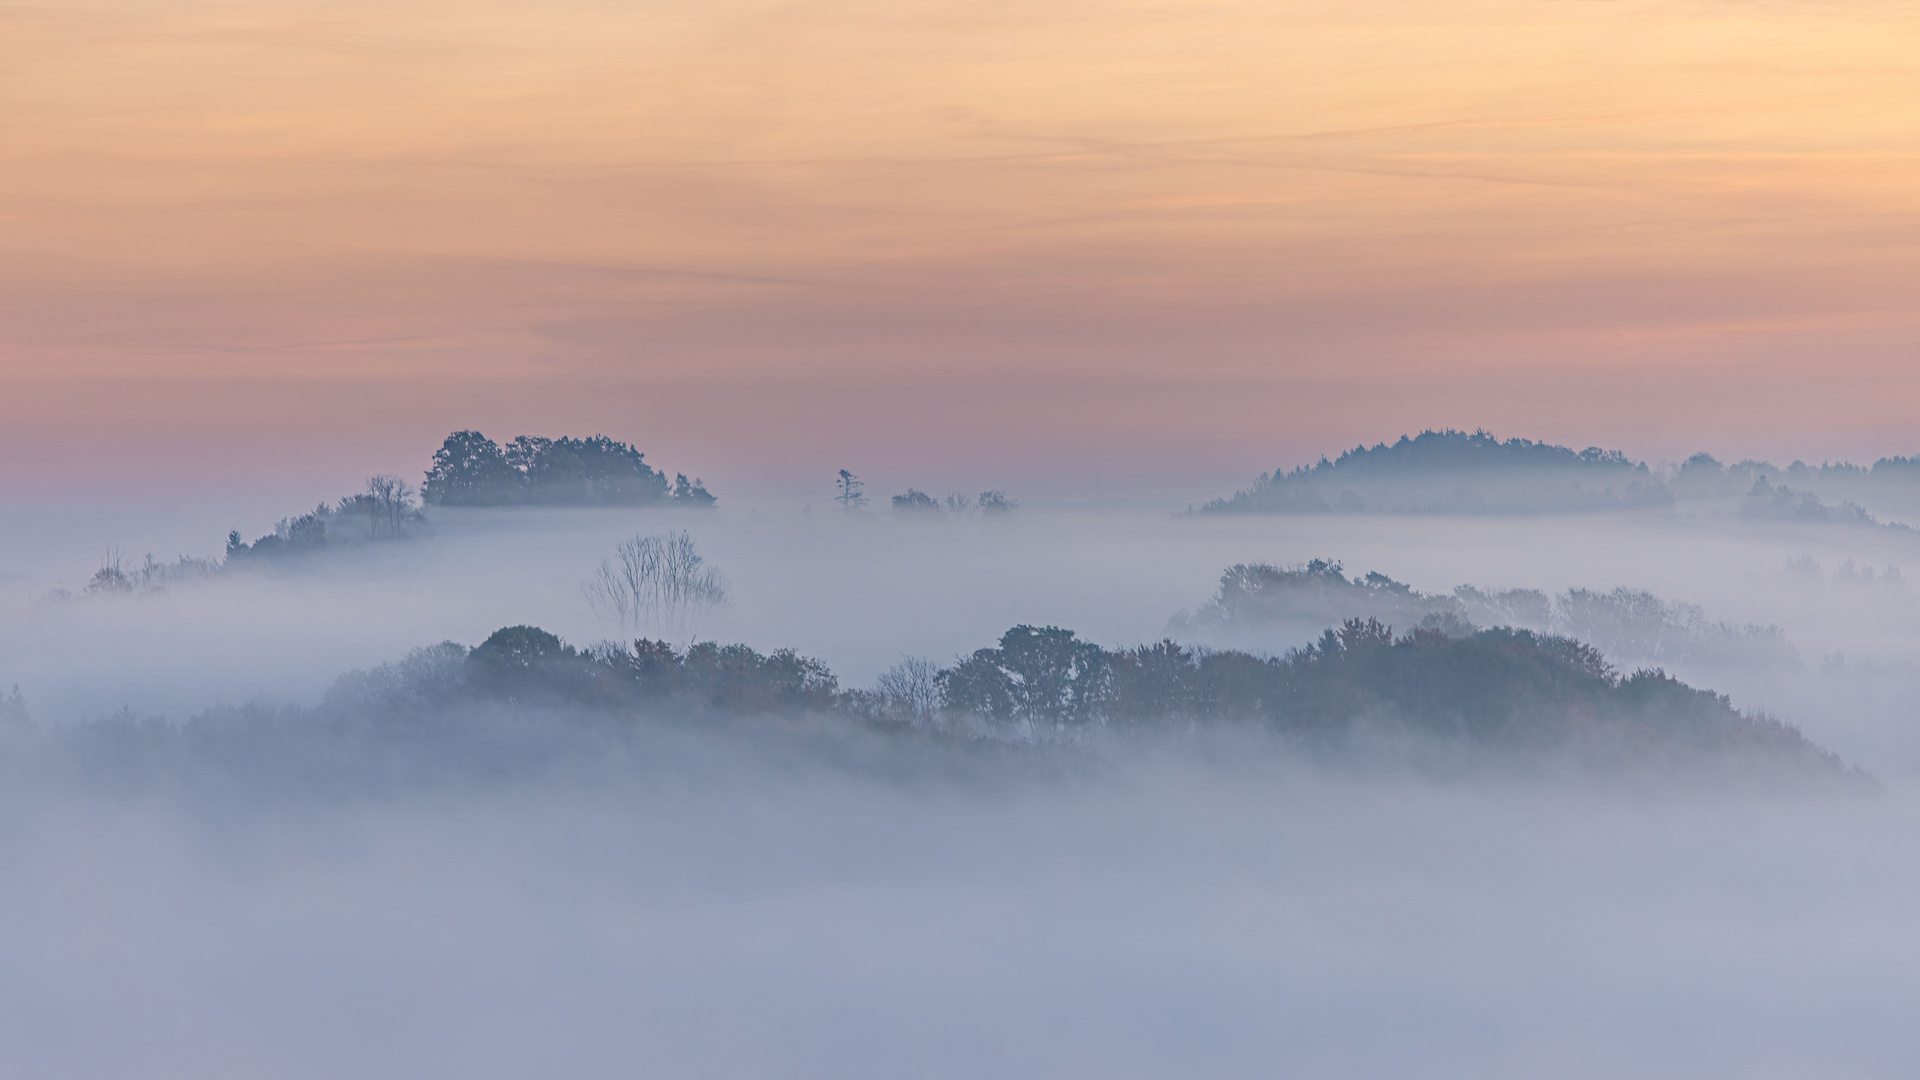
(1454, 472)
(470, 469)
(523, 697)
(1475, 473)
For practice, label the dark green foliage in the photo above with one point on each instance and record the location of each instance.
(1501, 690)
(470, 469)
(1043, 678)
(596, 471)
(523, 696)
(527, 663)
(735, 678)
(1159, 683)
(691, 493)
(293, 537)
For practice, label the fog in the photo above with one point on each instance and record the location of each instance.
(808, 897)
(858, 594)
(1170, 919)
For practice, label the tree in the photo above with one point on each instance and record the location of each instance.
(1043, 678)
(915, 502)
(996, 502)
(112, 576)
(910, 691)
(658, 584)
(1153, 683)
(388, 503)
(521, 662)
(470, 469)
(596, 471)
(692, 494)
(850, 497)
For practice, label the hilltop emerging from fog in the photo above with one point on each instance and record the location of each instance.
(524, 700)
(1455, 472)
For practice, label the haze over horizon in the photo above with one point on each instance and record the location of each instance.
(247, 240)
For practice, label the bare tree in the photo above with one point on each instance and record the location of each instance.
(910, 690)
(112, 577)
(657, 585)
(389, 503)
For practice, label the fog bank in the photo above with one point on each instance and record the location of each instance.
(1153, 916)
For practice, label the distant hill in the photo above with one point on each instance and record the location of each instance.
(1454, 472)
(1439, 696)
(1457, 472)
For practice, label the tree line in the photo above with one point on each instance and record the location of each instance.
(1258, 602)
(470, 469)
(1473, 472)
(523, 696)
(849, 497)
(1500, 688)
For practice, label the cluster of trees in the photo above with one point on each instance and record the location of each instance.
(657, 584)
(1765, 501)
(850, 498)
(1262, 603)
(1460, 472)
(1500, 688)
(470, 469)
(117, 577)
(1833, 492)
(1359, 688)
(387, 510)
(917, 503)
(526, 665)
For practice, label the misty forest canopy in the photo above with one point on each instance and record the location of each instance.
(1499, 694)
(1260, 605)
(470, 469)
(1458, 472)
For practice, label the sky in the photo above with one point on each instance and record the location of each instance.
(1070, 241)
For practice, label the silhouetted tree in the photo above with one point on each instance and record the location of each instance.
(528, 663)
(1043, 678)
(693, 494)
(915, 502)
(850, 497)
(470, 469)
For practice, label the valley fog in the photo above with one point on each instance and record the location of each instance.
(808, 897)
(860, 594)
(1156, 915)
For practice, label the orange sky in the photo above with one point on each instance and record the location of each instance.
(241, 238)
